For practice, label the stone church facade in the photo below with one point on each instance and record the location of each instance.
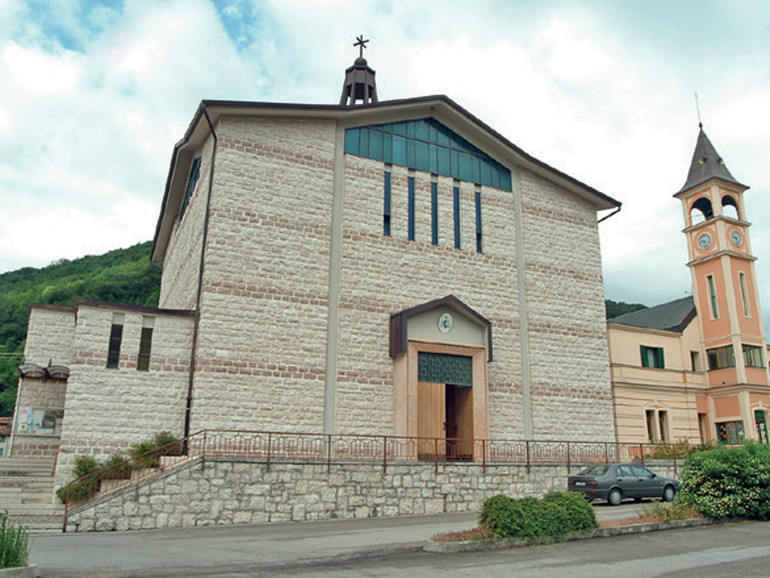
(390, 268)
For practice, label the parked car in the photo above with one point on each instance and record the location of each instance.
(616, 482)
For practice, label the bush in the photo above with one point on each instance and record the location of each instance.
(147, 454)
(681, 449)
(89, 472)
(86, 482)
(14, 543)
(667, 511)
(734, 482)
(116, 467)
(557, 515)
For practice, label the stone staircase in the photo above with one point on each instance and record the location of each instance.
(26, 492)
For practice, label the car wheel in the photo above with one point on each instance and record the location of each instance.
(668, 493)
(614, 497)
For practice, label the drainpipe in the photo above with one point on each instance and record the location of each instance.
(197, 317)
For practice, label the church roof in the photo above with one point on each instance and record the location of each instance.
(706, 164)
(671, 316)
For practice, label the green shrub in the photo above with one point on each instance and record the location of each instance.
(557, 515)
(728, 482)
(86, 482)
(147, 454)
(14, 543)
(667, 511)
(116, 467)
(89, 472)
(681, 449)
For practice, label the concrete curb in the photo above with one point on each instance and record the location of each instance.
(484, 545)
(21, 572)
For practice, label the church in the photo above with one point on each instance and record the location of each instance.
(695, 369)
(371, 267)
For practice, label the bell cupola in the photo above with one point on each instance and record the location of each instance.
(359, 86)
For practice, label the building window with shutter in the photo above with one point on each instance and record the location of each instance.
(652, 357)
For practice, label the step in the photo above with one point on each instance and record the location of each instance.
(38, 524)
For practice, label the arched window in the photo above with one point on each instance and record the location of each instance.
(730, 207)
(701, 211)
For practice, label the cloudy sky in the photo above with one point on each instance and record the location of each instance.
(94, 94)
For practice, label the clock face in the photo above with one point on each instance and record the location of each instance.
(736, 238)
(445, 323)
(704, 241)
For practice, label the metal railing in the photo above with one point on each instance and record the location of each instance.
(272, 446)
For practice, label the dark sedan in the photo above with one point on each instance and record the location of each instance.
(616, 482)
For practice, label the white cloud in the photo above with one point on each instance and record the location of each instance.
(38, 71)
(570, 54)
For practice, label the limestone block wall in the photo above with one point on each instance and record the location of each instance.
(381, 275)
(49, 335)
(108, 409)
(49, 340)
(179, 284)
(569, 356)
(42, 393)
(246, 492)
(262, 346)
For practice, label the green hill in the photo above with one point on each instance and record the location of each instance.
(121, 276)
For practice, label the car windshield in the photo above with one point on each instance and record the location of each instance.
(598, 470)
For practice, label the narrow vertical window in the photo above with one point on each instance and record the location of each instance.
(145, 344)
(744, 294)
(478, 222)
(411, 208)
(713, 296)
(386, 206)
(116, 336)
(434, 213)
(456, 209)
(192, 180)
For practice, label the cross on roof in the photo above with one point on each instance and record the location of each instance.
(361, 44)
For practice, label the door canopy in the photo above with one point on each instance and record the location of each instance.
(445, 320)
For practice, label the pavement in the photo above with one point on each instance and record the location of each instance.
(265, 547)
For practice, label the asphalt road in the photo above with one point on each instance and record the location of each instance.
(392, 546)
(734, 550)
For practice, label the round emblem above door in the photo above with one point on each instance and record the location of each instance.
(445, 323)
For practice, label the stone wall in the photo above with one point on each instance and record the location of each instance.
(262, 342)
(49, 335)
(245, 492)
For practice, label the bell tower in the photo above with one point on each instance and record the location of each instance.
(726, 296)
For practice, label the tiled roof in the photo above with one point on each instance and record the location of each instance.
(671, 316)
